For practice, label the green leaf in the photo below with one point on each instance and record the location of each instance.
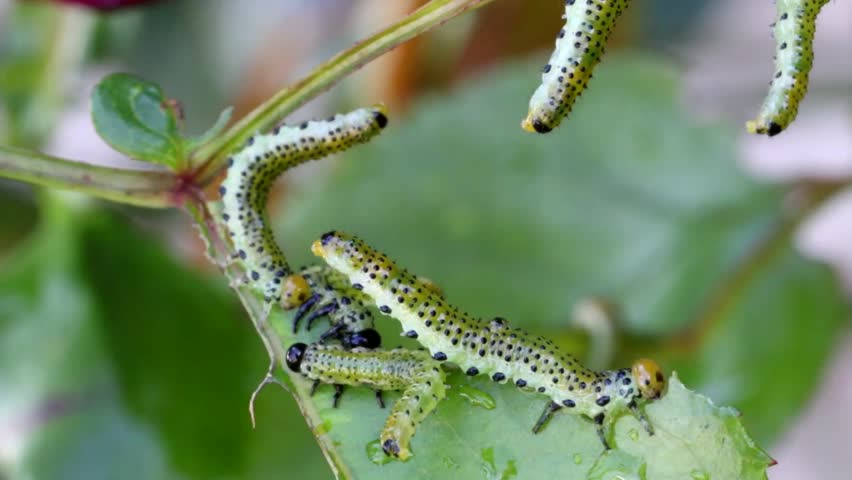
(632, 200)
(133, 116)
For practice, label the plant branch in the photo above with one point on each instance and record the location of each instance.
(218, 252)
(809, 196)
(143, 188)
(264, 117)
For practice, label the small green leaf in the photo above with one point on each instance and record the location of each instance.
(133, 116)
(221, 122)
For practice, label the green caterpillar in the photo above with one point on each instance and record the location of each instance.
(420, 378)
(579, 48)
(244, 193)
(794, 30)
(493, 347)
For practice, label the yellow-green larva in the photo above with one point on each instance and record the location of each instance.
(492, 347)
(251, 173)
(579, 48)
(794, 28)
(414, 372)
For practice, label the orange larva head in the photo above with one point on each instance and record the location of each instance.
(294, 292)
(649, 378)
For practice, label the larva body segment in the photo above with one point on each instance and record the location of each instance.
(794, 28)
(415, 373)
(251, 173)
(579, 48)
(490, 347)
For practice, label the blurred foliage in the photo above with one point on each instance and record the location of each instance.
(118, 362)
(25, 53)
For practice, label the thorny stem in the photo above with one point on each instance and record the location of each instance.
(219, 253)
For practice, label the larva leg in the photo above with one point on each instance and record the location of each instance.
(546, 415)
(338, 392)
(600, 428)
(334, 298)
(379, 399)
(637, 412)
(794, 27)
(579, 48)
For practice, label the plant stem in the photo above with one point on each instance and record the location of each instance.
(729, 289)
(264, 117)
(218, 252)
(155, 189)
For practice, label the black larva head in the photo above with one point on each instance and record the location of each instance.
(391, 448)
(327, 237)
(381, 119)
(774, 129)
(294, 356)
(541, 127)
(367, 338)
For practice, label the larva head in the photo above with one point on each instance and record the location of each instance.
(294, 292)
(649, 378)
(367, 338)
(294, 356)
(380, 112)
(330, 246)
(535, 125)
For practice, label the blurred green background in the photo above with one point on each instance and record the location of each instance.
(123, 354)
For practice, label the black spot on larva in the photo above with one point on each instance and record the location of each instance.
(411, 334)
(521, 382)
(569, 403)
(385, 309)
(498, 377)
(659, 376)
(602, 401)
(440, 356)
(472, 371)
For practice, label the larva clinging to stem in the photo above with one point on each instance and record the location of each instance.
(579, 48)
(414, 372)
(251, 173)
(493, 347)
(794, 29)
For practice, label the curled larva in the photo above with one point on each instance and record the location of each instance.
(579, 48)
(794, 28)
(249, 179)
(493, 347)
(414, 372)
